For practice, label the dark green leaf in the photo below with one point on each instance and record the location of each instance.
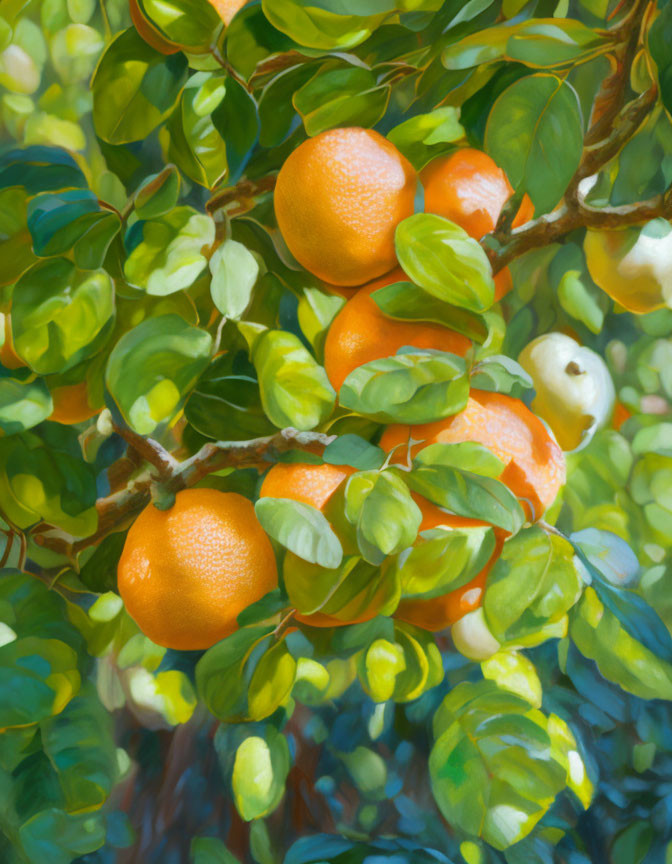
(535, 133)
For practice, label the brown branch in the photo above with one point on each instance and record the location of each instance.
(151, 451)
(548, 229)
(612, 96)
(116, 511)
(243, 194)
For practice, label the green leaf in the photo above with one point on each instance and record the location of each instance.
(226, 403)
(315, 312)
(237, 121)
(295, 390)
(466, 455)
(353, 450)
(493, 770)
(234, 274)
(134, 88)
(408, 302)
(659, 36)
(300, 528)
(219, 677)
(153, 367)
(166, 253)
(538, 42)
(23, 404)
(442, 258)
(426, 136)
(412, 387)
(40, 169)
(57, 222)
(620, 654)
(60, 315)
(210, 850)
(579, 296)
(380, 666)
(513, 671)
(80, 745)
(259, 773)
(534, 582)
(271, 682)
(500, 374)
(445, 560)
(339, 95)
(39, 665)
(16, 248)
(308, 24)
(158, 194)
(467, 494)
(385, 515)
(193, 24)
(191, 138)
(60, 837)
(535, 133)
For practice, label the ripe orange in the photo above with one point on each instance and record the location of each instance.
(71, 404)
(470, 189)
(186, 573)
(535, 464)
(338, 200)
(8, 356)
(361, 333)
(315, 485)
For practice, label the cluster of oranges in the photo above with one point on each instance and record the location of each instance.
(186, 573)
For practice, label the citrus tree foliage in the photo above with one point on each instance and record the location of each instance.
(140, 261)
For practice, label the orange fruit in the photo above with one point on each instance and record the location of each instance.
(470, 189)
(71, 404)
(535, 464)
(621, 414)
(187, 572)
(228, 8)
(315, 485)
(338, 200)
(8, 356)
(149, 33)
(361, 333)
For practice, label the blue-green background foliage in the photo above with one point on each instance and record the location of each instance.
(126, 263)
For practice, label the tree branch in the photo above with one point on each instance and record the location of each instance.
(150, 450)
(117, 510)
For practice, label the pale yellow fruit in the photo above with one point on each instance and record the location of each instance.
(633, 265)
(574, 391)
(473, 638)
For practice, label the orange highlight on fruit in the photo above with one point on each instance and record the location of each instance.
(361, 333)
(187, 572)
(535, 464)
(338, 200)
